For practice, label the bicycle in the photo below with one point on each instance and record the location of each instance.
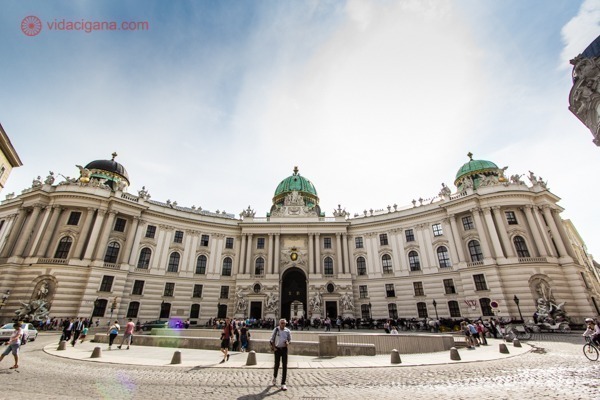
(590, 350)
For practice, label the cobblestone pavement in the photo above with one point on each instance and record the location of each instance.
(555, 369)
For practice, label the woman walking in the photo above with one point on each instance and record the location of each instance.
(113, 331)
(14, 343)
(245, 335)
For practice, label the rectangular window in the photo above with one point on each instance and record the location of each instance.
(410, 235)
(151, 231)
(204, 240)
(511, 218)
(178, 237)
(224, 292)
(169, 289)
(229, 243)
(74, 218)
(392, 311)
(468, 223)
(418, 286)
(437, 229)
(383, 239)
(138, 288)
(449, 286)
(359, 242)
(327, 243)
(480, 283)
(390, 291)
(120, 224)
(454, 309)
(260, 243)
(197, 291)
(363, 293)
(422, 310)
(107, 282)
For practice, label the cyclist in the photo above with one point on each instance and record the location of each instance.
(593, 331)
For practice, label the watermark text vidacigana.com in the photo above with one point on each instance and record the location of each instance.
(32, 25)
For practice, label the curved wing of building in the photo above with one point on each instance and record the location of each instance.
(495, 246)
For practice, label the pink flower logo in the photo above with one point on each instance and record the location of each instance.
(31, 25)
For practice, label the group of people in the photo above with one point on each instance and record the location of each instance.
(113, 332)
(475, 333)
(239, 332)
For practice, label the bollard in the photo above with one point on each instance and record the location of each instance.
(454, 354)
(503, 348)
(508, 338)
(395, 357)
(97, 353)
(176, 358)
(516, 343)
(251, 360)
(62, 345)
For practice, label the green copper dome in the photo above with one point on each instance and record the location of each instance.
(299, 184)
(475, 167)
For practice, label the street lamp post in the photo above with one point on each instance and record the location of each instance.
(370, 315)
(112, 308)
(516, 300)
(94, 305)
(435, 308)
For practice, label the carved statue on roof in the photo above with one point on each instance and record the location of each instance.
(50, 178)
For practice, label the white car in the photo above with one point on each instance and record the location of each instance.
(7, 330)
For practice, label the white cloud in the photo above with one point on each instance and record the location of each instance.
(580, 31)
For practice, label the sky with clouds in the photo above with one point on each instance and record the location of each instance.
(376, 102)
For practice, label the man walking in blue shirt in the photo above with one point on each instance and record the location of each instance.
(280, 339)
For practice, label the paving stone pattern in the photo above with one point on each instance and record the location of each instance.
(556, 369)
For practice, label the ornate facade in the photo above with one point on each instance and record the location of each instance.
(496, 245)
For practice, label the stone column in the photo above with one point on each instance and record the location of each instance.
(423, 246)
(493, 233)
(562, 251)
(6, 229)
(345, 266)
(242, 262)
(457, 239)
(40, 231)
(14, 232)
(563, 233)
(192, 256)
(277, 251)
(451, 245)
(248, 267)
(25, 236)
(93, 242)
(502, 229)
(86, 225)
(485, 248)
(311, 253)
(129, 242)
(133, 255)
(528, 210)
(395, 248)
(270, 267)
(372, 253)
(318, 267)
(338, 252)
(187, 249)
(103, 241)
(167, 236)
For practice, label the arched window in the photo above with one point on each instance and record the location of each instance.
(386, 262)
(173, 262)
(413, 261)
(144, 260)
(475, 251)
(443, 257)
(112, 252)
(454, 309)
(521, 247)
(99, 308)
(422, 309)
(195, 311)
(133, 309)
(227, 263)
(201, 264)
(259, 266)
(328, 266)
(361, 266)
(62, 251)
(486, 309)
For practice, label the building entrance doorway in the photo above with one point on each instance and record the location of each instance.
(256, 309)
(293, 292)
(331, 309)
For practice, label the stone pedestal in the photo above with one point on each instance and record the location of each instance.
(503, 348)
(251, 360)
(62, 345)
(97, 353)
(454, 354)
(395, 357)
(176, 358)
(328, 346)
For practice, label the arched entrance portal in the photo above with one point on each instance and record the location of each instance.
(293, 293)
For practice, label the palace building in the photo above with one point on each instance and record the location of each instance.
(495, 245)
